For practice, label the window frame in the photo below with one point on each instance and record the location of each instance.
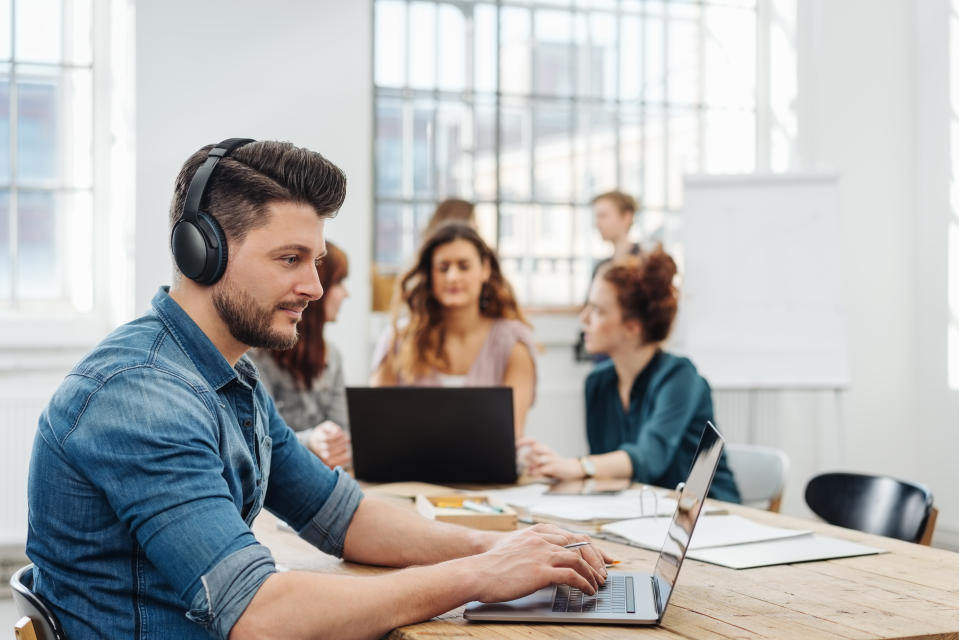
(55, 324)
(761, 113)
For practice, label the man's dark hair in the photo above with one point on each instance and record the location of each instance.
(256, 174)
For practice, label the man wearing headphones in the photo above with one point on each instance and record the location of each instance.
(160, 448)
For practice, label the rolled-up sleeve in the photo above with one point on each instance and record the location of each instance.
(316, 501)
(229, 587)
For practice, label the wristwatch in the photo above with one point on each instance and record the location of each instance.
(589, 467)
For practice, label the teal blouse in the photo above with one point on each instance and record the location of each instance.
(668, 408)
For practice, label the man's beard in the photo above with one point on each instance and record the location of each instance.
(247, 321)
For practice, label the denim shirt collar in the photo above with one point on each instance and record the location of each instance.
(205, 356)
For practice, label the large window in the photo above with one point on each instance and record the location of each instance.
(46, 153)
(532, 108)
(61, 96)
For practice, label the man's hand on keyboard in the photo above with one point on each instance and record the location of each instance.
(526, 560)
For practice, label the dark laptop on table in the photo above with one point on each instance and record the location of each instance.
(432, 434)
(626, 598)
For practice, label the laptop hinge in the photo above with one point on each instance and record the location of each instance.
(657, 601)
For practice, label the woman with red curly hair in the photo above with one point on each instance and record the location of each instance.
(645, 408)
(456, 323)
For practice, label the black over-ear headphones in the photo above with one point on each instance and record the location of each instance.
(197, 241)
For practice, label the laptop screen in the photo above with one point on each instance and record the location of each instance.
(689, 505)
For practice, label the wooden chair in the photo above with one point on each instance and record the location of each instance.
(874, 504)
(38, 621)
(760, 473)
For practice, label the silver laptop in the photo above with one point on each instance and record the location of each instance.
(626, 598)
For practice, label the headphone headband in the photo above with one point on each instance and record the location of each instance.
(194, 194)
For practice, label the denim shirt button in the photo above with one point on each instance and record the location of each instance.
(247, 423)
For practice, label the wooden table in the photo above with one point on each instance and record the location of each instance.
(911, 592)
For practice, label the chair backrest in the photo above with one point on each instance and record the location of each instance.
(45, 623)
(760, 473)
(873, 504)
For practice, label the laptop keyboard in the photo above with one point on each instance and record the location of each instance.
(616, 596)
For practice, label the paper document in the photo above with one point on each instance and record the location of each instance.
(632, 503)
(711, 531)
(783, 551)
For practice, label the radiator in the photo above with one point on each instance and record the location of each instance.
(21, 402)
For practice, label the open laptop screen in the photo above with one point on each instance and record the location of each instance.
(690, 503)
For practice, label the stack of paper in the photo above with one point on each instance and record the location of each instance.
(739, 543)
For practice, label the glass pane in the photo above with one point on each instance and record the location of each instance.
(514, 230)
(650, 224)
(76, 134)
(390, 47)
(484, 56)
(389, 147)
(38, 261)
(486, 222)
(452, 48)
(654, 183)
(78, 32)
(484, 163)
(422, 212)
(598, 129)
(515, 50)
(630, 152)
(4, 123)
(654, 78)
(516, 141)
(630, 57)
(553, 152)
(5, 7)
(423, 149)
(683, 152)
(552, 231)
(683, 62)
(549, 281)
(77, 226)
(423, 48)
(454, 157)
(730, 141)
(38, 117)
(6, 266)
(730, 57)
(39, 31)
(599, 79)
(553, 54)
(388, 235)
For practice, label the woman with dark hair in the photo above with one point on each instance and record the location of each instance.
(307, 382)
(645, 408)
(456, 323)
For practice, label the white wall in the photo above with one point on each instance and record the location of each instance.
(935, 425)
(296, 70)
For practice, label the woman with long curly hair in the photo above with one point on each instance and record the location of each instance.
(307, 381)
(456, 323)
(645, 408)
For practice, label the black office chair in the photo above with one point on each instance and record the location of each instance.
(38, 622)
(874, 504)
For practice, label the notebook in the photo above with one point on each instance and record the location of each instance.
(626, 598)
(432, 434)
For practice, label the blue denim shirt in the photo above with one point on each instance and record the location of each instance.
(149, 465)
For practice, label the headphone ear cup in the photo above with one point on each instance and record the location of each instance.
(216, 251)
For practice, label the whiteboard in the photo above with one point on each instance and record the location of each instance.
(762, 290)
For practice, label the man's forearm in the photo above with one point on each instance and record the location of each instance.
(302, 605)
(385, 534)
